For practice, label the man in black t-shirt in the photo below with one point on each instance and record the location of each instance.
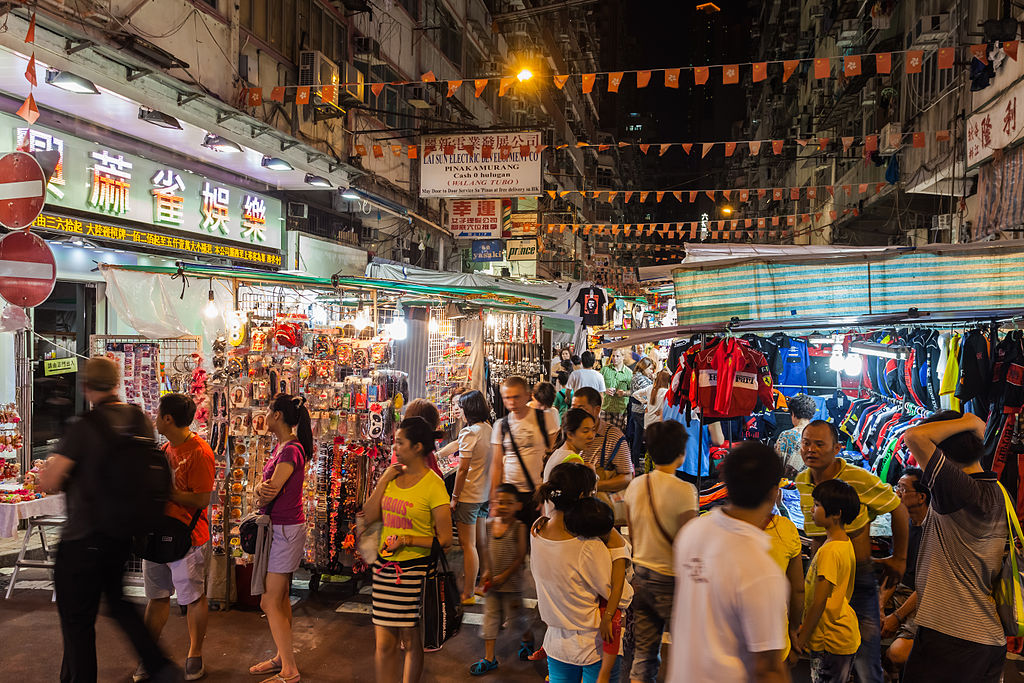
(90, 563)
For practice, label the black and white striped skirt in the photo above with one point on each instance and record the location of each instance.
(398, 592)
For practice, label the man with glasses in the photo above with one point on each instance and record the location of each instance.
(900, 602)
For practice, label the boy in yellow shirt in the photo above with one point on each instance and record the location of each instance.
(829, 633)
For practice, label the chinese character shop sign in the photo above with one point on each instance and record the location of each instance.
(149, 197)
(475, 218)
(995, 126)
(481, 165)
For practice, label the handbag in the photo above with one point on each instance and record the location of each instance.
(169, 542)
(1008, 590)
(367, 538)
(249, 528)
(613, 499)
(442, 603)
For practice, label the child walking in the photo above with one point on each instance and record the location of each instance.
(592, 518)
(829, 632)
(503, 581)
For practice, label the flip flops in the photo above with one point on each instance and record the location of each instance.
(483, 666)
(525, 649)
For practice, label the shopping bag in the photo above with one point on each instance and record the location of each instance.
(1009, 587)
(442, 602)
(367, 538)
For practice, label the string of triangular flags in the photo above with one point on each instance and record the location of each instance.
(870, 143)
(674, 229)
(28, 109)
(734, 194)
(820, 68)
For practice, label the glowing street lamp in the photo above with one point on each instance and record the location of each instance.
(524, 75)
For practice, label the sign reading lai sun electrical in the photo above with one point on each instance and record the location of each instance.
(170, 207)
(481, 165)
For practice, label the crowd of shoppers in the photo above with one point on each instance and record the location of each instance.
(550, 493)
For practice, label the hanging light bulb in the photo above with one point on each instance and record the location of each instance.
(398, 329)
(491, 320)
(210, 309)
(853, 365)
(836, 361)
(434, 326)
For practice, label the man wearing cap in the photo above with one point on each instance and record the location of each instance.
(90, 563)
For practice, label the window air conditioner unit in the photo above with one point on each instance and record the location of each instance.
(929, 29)
(355, 84)
(316, 70)
(298, 210)
(869, 98)
(418, 97)
(491, 68)
(891, 138)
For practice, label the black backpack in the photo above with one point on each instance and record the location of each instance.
(135, 478)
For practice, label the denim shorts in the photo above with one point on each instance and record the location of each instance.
(468, 513)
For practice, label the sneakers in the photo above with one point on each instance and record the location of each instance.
(194, 669)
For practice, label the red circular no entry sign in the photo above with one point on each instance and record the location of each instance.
(22, 190)
(28, 270)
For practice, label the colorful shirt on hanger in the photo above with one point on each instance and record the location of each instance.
(726, 378)
(793, 377)
(591, 301)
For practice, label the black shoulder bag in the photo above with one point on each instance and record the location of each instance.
(170, 541)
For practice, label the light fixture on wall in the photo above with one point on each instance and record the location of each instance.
(70, 82)
(317, 181)
(275, 164)
(210, 309)
(220, 144)
(158, 118)
(880, 350)
(350, 194)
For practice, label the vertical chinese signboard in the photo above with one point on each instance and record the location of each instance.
(481, 165)
(475, 218)
(996, 126)
(101, 192)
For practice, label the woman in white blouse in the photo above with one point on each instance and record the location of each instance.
(470, 495)
(571, 574)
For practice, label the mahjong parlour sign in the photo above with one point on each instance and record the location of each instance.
(481, 165)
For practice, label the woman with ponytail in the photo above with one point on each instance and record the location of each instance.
(280, 496)
(571, 574)
(412, 504)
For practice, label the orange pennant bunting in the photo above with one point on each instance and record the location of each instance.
(302, 95)
(851, 65)
(328, 93)
(28, 110)
(480, 84)
(980, 52)
(947, 55)
(777, 146)
(726, 194)
(524, 151)
(883, 62)
(777, 194)
(705, 148)
(755, 147)
(788, 67)
(658, 196)
(378, 151)
(919, 140)
(396, 149)
(678, 195)
(643, 78)
(503, 85)
(413, 151)
(801, 142)
(847, 142)
(428, 77)
(663, 149)
(941, 135)
(878, 187)
(588, 82)
(915, 58)
(376, 88)
(614, 80)
(848, 189)
(255, 97)
(277, 94)
(361, 150)
(744, 195)
(672, 78)
(644, 148)
(760, 71)
(831, 190)
(453, 87)
(710, 194)
(870, 143)
(700, 75)
(611, 196)
(833, 214)
(643, 196)
(730, 147)
(551, 193)
(30, 71)
(730, 74)
(761, 192)
(823, 143)
(30, 34)
(693, 196)
(812, 192)
(794, 193)
(627, 197)
(1010, 48)
(687, 146)
(822, 67)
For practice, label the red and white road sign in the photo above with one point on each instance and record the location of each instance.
(28, 270)
(22, 190)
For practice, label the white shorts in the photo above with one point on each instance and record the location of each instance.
(186, 577)
(286, 548)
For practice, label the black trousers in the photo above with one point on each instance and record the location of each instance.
(84, 571)
(938, 658)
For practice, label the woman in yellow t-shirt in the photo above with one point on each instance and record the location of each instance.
(786, 552)
(412, 505)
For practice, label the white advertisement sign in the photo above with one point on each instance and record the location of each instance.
(994, 127)
(481, 165)
(521, 250)
(475, 219)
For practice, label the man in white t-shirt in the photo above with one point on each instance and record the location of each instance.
(658, 504)
(731, 599)
(587, 376)
(521, 430)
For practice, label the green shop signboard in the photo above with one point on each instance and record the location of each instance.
(166, 207)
